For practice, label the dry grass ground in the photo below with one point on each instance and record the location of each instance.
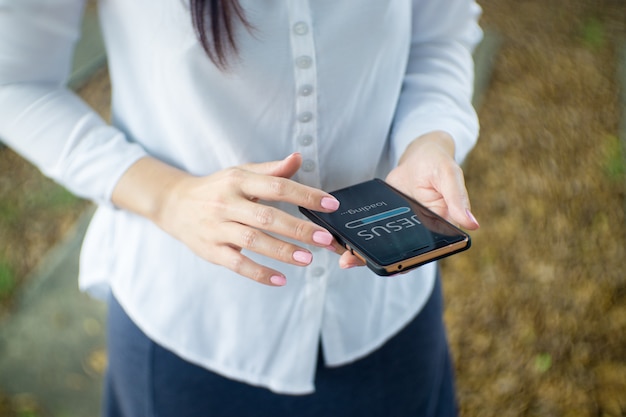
(536, 310)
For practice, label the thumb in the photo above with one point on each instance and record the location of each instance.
(285, 168)
(457, 199)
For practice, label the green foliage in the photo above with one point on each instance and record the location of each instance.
(28, 413)
(614, 159)
(54, 198)
(593, 33)
(9, 212)
(62, 198)
(543, 362)
(7, 279)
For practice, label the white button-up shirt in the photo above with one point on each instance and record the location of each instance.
(347, 83)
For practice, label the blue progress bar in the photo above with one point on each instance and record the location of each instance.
(377, 217)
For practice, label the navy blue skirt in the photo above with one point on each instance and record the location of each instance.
(411, 375)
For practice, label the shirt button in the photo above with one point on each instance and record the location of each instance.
(308, 165)
(305, 117)
(305, 90)
(304, 62)
(305, 140)
(301, 28)
(318, 272)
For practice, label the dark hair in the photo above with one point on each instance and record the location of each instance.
(214, 22)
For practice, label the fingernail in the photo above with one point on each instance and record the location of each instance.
(331, 248)
(471, 217)
(330, 203)
(323, 238)
(278, 280)
(347, 266)
(302, 257)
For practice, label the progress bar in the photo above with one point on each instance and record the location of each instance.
(377, 217)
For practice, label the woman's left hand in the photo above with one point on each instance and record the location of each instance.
(428, 172)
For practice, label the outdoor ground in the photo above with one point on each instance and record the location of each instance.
(536, 310)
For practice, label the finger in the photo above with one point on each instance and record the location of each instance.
(336, 247)
(234, 260)
(282, 189)
(271, 219)
(452, 188)
(348, 260)
(257, 241)
(285, 168)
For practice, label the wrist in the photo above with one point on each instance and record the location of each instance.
(147, 189)
(438, 138)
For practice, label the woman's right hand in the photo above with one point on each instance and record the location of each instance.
(218, 215)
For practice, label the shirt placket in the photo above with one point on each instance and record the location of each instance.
(305, 76)
(306, 142)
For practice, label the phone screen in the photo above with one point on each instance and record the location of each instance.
(387, 227)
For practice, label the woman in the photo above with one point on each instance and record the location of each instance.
(223, 300)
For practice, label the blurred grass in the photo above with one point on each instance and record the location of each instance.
(593, 33)
(614, 159)
(7, 280)
(48, 197)
(543, 362)
(35, 212)
(536, 310)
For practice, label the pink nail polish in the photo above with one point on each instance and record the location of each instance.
(278, 280)
(471, 217)
(330, 203)
(323, 238)
(302, 257)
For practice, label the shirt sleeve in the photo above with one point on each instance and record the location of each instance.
(43, 120)
(437, 88)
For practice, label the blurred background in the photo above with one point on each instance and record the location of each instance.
(536, 310)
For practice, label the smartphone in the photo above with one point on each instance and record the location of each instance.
(388, 230)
